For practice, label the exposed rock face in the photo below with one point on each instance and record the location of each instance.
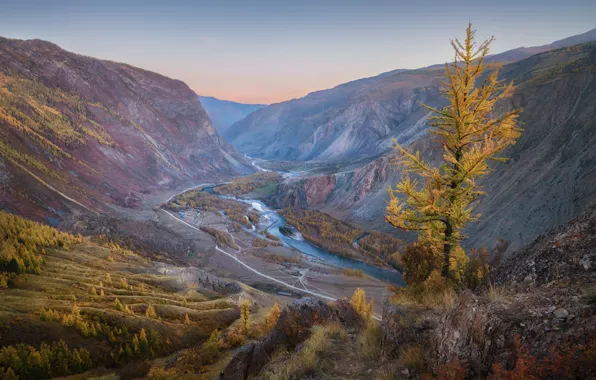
(293, 327)
(549, 179)
(114, 131)
(565, 255)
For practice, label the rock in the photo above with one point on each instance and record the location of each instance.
(405, 372)
(561, 313)
(292, 328)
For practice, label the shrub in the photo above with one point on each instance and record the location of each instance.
(413, 358)
(418, 262)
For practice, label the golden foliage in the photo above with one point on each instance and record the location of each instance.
(272, 317)
(22, 242)
(360, 304)
(245, 315)
(438, 202)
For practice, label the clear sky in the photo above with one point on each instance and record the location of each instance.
(272, 50)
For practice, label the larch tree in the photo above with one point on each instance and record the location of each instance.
(438, 201)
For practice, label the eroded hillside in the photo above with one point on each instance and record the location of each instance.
(83, 133)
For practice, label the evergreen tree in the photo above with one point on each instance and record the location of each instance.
(272, 317)
(245, 315)
(439, 201)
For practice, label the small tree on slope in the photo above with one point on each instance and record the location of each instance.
(437, 202)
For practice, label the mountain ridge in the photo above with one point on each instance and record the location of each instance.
(333, 124)
(100, 132)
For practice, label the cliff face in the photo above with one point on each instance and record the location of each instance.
(549, 179)
(99, 132)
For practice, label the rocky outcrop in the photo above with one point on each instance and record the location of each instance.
(98, 132)
(293, 327)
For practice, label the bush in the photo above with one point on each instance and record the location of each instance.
(418, 262)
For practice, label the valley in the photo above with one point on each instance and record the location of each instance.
(147, 232)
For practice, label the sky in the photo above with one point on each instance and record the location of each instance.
(266, 51)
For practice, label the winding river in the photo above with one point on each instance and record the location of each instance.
(305, 247)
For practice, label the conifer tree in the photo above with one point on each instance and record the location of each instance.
(186, 319)
(438, 202)
(358, 302)
(245, 315)
(273, 317)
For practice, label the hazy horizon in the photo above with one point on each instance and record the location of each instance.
(269, 51)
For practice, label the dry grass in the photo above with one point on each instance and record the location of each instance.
(413, 358)
(497, 294)
(307, 361)
(369, 341)
(354, 273)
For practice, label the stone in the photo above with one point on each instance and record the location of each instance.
(561, 313)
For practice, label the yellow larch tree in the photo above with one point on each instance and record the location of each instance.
(438, 201)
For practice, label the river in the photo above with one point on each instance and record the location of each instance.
(305, 247)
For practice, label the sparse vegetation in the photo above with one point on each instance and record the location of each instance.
(243, 185)
(354, 273)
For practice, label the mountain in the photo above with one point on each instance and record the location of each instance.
(550, 178)
(356, 119)
(224, 113)
(85, 134)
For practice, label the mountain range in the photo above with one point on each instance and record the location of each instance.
(548, 180)
(224, 113)
(357, 119)
(83, 134)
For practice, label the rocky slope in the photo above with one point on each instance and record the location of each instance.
(536, 320)
(356, 119)
(550, 178)
(224, 113)
(81, 133)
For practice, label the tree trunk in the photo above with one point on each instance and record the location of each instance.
(447, 249)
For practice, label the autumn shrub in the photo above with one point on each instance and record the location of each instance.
(418, 262)
(235, 337)
(475, 271)
(452, 370)
(564, 361)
